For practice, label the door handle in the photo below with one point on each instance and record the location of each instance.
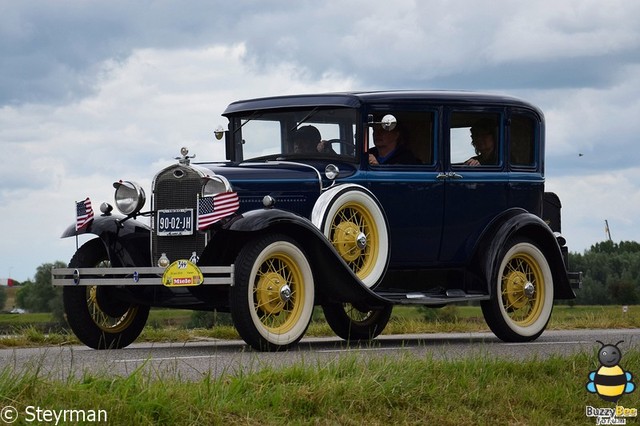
(448, 175)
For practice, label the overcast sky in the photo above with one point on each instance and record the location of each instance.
(96, 91)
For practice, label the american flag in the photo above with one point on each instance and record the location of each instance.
(212, 209)
(84, 213)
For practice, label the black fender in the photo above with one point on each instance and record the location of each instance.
(335, 281)
(127, 240)
(519, 222)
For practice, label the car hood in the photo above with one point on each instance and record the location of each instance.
(294, 186)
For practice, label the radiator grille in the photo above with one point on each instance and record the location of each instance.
(173, 192)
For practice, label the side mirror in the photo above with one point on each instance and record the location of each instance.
(388, 122)
(219, 133)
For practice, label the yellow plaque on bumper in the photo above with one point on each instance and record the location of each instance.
(182, 273)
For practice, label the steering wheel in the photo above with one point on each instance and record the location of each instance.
(349, 148)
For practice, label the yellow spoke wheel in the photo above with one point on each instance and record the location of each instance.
(353, 221)
(104, 321)
(278, 293)
(99, 315)
(522, 295)
(354, 234)
(523, 289)
(272, 298)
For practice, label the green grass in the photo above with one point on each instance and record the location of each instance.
(170, 325)
(350, 391)
(406, 389)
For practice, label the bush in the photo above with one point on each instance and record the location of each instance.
(206, 319)
(3, 298)
(447, 313)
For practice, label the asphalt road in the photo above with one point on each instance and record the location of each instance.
(193, 360)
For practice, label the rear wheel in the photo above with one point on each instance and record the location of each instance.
(272, 297)
(95, 315)
(351, 323)
(522, 299)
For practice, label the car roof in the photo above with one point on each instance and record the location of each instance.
(357, 98)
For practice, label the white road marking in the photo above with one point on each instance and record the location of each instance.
(172, 358)
(568, 342)
(364, 349)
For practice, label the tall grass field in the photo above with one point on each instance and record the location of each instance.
(399, 389)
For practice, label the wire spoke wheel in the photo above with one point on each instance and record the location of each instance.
(354, 234)
(106, 322)
(352, 322)
(272, 298)
(98, 315)
(522, 298)
(278, 292)
(352, 220)
(523, 289)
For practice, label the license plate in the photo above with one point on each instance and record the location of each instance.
(175, 222)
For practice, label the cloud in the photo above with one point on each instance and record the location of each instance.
(589, 200)
(54, 51)
(98, 91)
(143, 110)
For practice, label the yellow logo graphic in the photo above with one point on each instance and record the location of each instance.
(610, 381)
(182, 273)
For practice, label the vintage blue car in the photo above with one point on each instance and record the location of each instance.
(352, 201)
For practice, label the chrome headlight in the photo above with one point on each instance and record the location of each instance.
(129, 197)
(215, 185)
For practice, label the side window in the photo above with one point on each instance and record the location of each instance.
(522, 144)
(410, 143)
(474, 139)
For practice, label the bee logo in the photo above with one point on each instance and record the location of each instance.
(610, 381)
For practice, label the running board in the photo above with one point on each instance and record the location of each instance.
(417, 298)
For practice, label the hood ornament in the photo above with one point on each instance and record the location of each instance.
(184, 158)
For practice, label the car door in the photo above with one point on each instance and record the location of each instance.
(476, 185)
(411, 194)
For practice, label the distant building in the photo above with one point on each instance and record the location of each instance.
(7, 282)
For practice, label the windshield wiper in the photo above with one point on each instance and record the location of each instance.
(253, 116)
(306, 117)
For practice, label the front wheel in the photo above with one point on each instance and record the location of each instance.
(522, 299)
(94, 313)
(351, 323)
(272, 297)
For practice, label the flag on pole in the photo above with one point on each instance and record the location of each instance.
(212, 209)
(84, 213)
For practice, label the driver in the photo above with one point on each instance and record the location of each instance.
(307, 139)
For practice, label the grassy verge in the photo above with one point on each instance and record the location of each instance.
(349, 391)
(405, 390)
(171, 325)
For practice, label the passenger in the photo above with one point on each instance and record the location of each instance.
(484, 142)
(389, 148)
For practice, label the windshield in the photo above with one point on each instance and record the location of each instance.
(295, 134)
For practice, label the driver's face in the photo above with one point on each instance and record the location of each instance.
(302, 145)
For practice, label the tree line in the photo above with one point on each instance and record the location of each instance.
(611, 275)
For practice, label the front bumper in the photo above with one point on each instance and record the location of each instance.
(132, 276)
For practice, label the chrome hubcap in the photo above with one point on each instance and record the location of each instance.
(529, 290)
(285, 293)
